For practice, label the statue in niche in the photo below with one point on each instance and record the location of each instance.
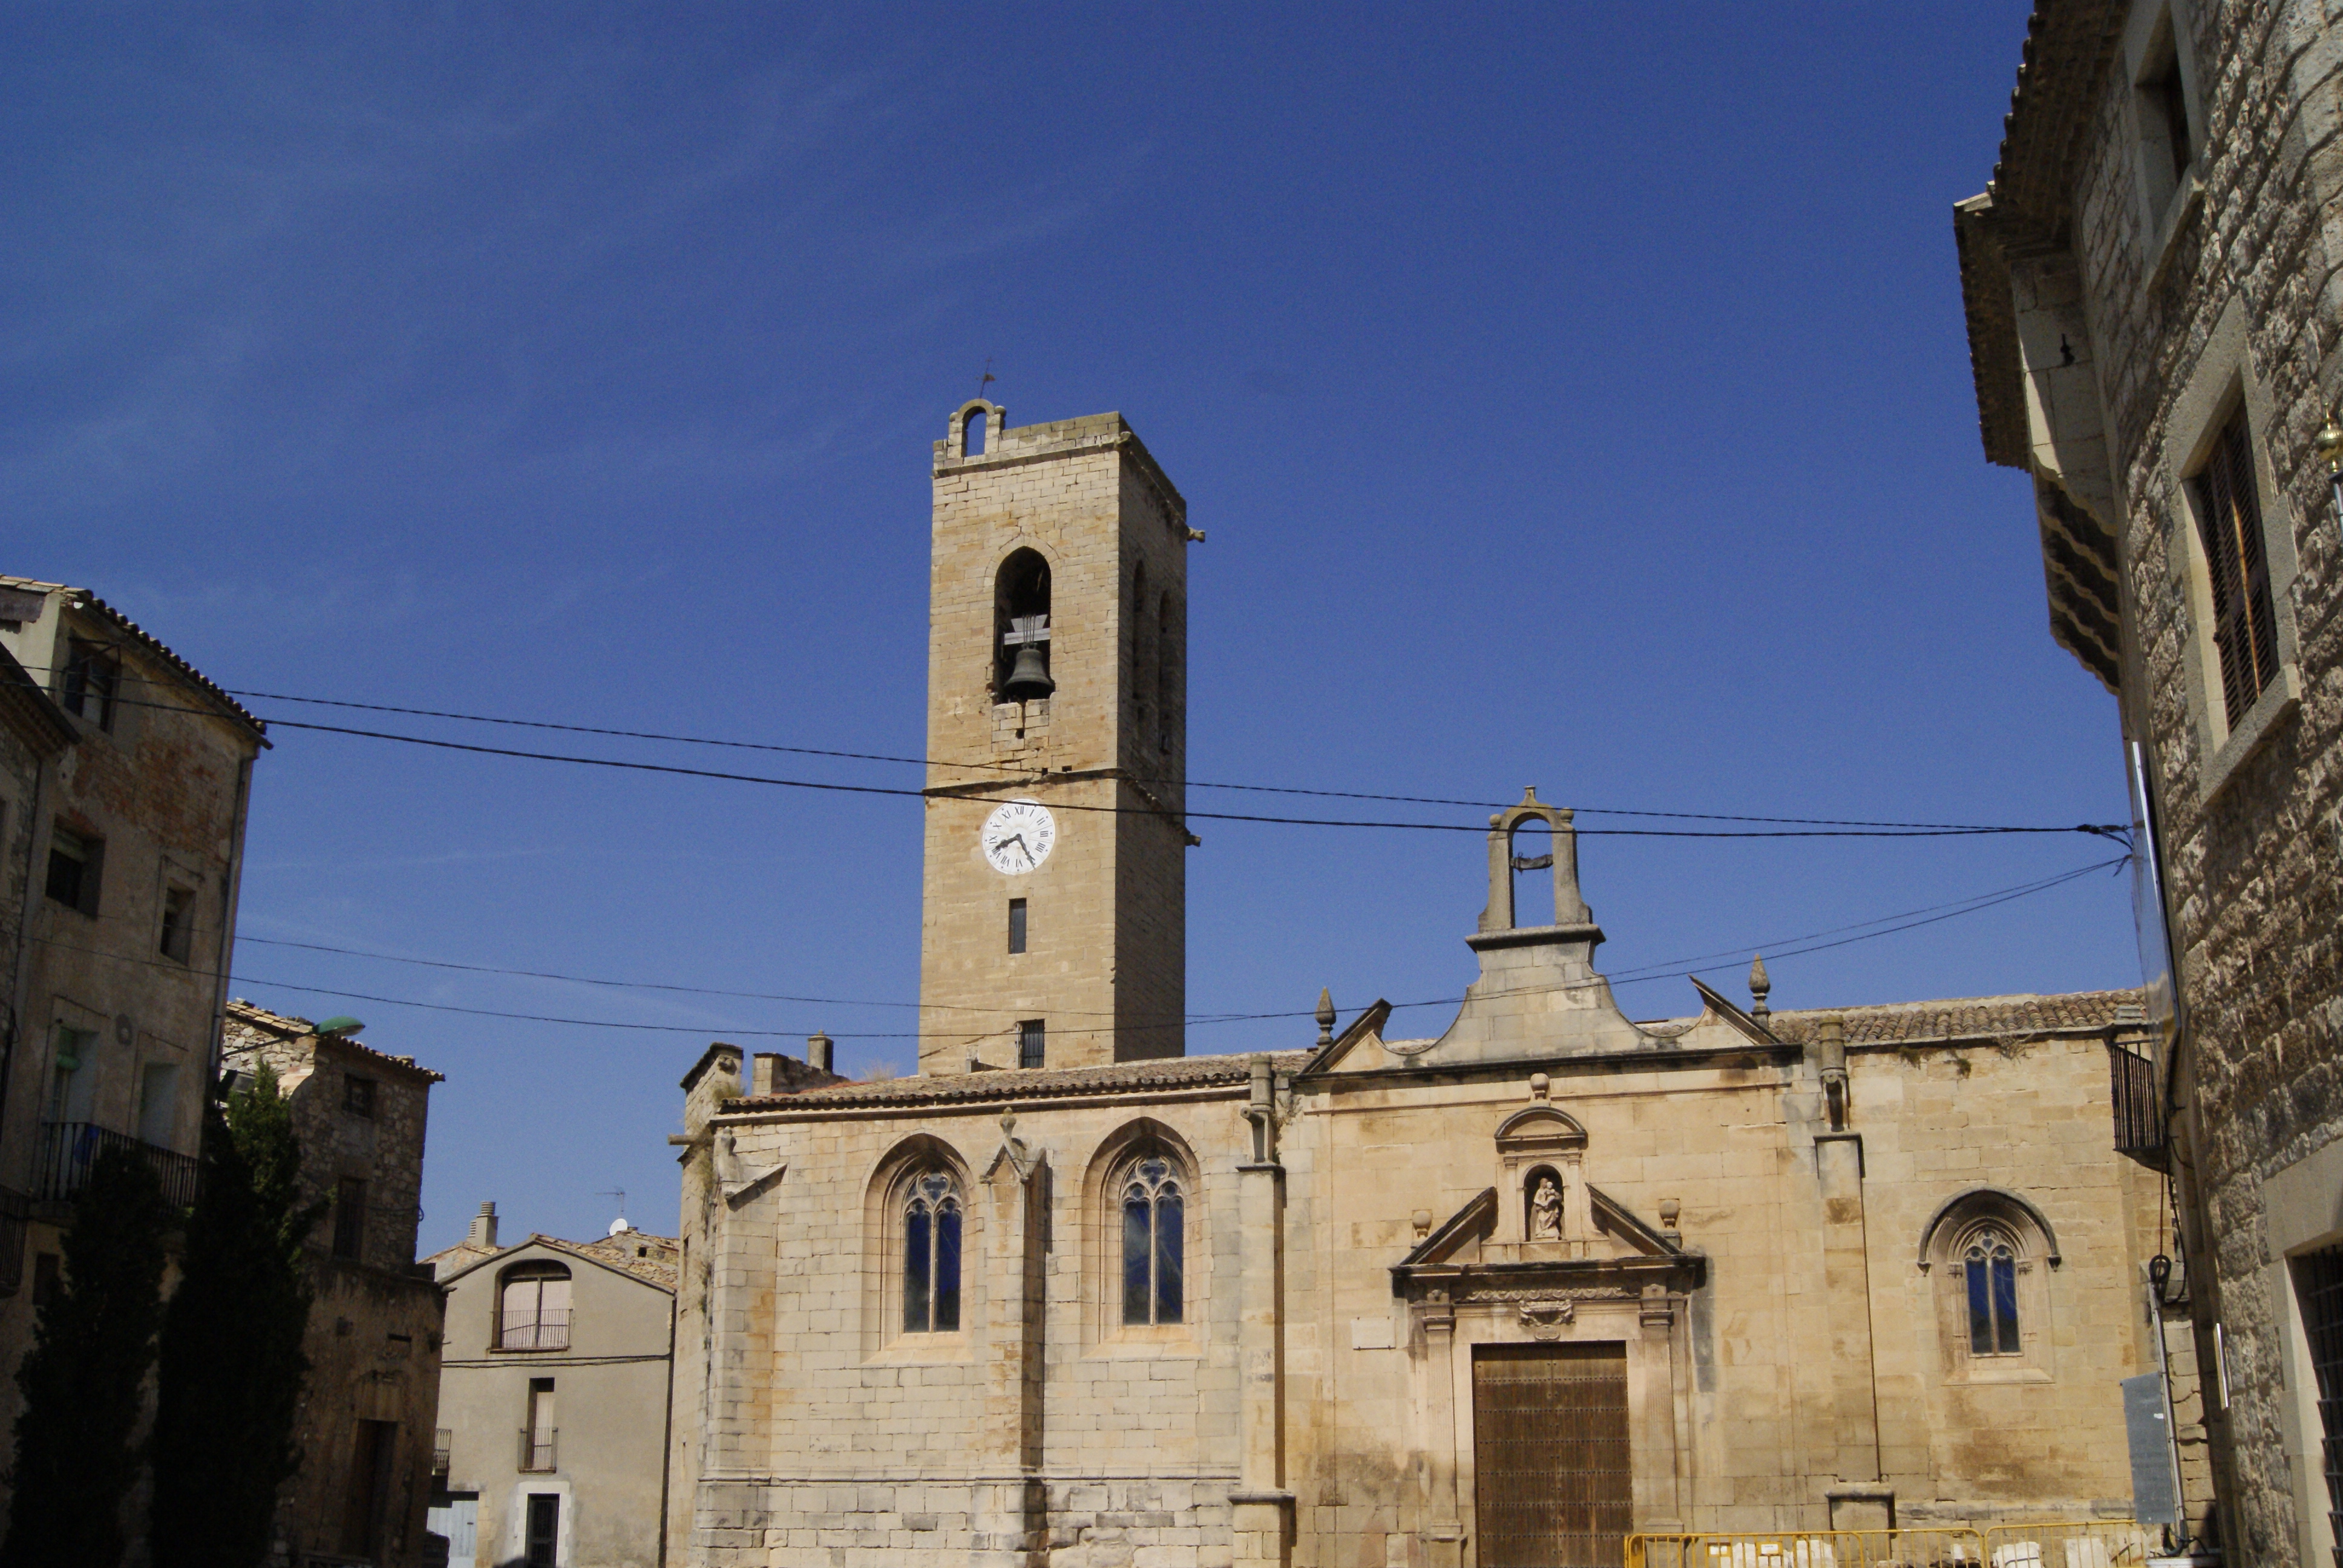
(1545, 1211)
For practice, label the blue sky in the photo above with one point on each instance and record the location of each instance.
(1572, 398)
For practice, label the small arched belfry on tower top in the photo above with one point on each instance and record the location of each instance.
(1569, 906)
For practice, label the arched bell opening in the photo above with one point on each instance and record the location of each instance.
(971, 433)
(1530, 860)
(1021, 628)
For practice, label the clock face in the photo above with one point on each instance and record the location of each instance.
(1019, 835)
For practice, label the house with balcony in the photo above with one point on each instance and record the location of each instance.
(554, 1399)
(366, 1421)
(125, 777)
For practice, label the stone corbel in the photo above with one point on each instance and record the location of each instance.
(1014, 1151)
(732, 1177)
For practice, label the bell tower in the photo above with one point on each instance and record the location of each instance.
(1052, 929)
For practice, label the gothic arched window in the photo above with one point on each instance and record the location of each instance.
(1165, 675)
(931, 1237)
(1989, 1265)
(1154, 1242)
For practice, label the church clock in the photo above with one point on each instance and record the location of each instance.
(1019, 835)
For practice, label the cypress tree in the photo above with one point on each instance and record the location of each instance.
(232, 1367)
(83, 1377)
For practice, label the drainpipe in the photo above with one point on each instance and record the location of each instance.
(667, 1439)
(231, 890)
(20, 964)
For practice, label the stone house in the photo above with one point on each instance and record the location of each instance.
(366, 1419)
(1499, 1296)
(2155, 309)
(123, 827)
(554, 1400)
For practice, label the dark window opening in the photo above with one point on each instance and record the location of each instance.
(1991, 1263)
(1165, 676)
(2318, 1289)
(75, 863)
(1139, 692)
(93, 683)
(1154, 1243)
(972, 431)
(349, 1217)
(2169, 104)
(932, 1227)
(1016, 925)
(1021, 628)
(1032, 1042)
(178, 923)
(2229, 522)
(48, 1278)
(357, 1096)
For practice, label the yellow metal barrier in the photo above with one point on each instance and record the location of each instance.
(2070, 1544)
(1930, 1548)
(2057, 1544)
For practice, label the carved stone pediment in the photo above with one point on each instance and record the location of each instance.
(1464, 1258)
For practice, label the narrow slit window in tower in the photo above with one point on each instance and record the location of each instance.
(1016, 925)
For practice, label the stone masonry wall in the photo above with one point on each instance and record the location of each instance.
(2252, 869)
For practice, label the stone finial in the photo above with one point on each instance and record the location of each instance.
(1421, 1223)
(1008, 1124)
(1760, 987)
(1670, 1211)
(1325, 1017)
(1540, 1086)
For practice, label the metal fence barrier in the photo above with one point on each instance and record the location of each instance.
(2056, 1543)
(2071, 1543)
(1930, 1548)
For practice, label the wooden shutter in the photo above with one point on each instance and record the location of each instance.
(2230, 521)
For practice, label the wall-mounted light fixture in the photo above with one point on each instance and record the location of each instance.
(2328, 443)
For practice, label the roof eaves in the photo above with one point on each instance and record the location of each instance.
(83, 600)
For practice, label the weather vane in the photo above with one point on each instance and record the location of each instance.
(987, 379)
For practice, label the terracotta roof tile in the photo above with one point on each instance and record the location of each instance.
(291, 1028)
(85, 599)
(1977, 1018)
(1022, 1084)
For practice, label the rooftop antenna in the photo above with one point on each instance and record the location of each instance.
(620, 1223)
(987, 378)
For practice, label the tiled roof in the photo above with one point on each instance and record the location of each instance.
(291, 1028)
(85, 599)
(1980, 1018)
(660, 1267)
(1010, 1085)
(2069, 45)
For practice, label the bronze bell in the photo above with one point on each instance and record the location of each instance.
(1029, 678)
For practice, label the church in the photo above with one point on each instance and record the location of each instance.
(1505, 1296)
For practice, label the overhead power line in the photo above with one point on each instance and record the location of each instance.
(678, 770)
(1875, 828)
(1783, 947)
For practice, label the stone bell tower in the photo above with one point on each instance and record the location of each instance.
(1053, 913)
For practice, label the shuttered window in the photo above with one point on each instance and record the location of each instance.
(2229, 519)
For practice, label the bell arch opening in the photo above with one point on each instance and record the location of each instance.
(971, 433)
(1021, 628)
(1533, 873)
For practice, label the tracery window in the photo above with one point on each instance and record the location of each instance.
(1990, 1265)
(931, 1252)
(1154, 1238)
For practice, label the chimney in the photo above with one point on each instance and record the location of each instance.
(765, 1072)
(483, 1232)
(817, 1050)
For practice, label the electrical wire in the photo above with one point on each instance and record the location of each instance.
(1872, 828)
(1642, 975)
(679, 770)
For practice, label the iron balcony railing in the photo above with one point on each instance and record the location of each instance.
(546, 1329)
(70, 1151)
(536, 1449)
(2139, 1102)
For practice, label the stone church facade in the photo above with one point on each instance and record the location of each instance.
(1504, 1295)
